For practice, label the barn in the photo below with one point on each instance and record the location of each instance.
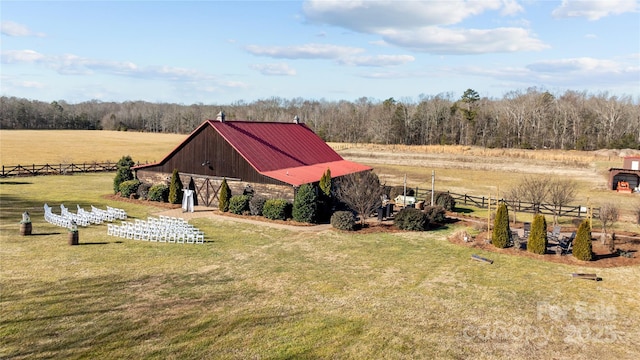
(630, 172)
(270, 158)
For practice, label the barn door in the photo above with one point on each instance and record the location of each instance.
(207, 193)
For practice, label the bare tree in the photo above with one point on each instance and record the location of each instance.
(609, 214)
(514, 196)
(561, 193)
(535, 190)
(361, 192)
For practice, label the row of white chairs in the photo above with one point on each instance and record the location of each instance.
(119, 214)
(82, 217)
(55, 219)
(98, 216)
(78, 219)
(163, 229)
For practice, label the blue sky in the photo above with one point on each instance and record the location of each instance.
(219, 52)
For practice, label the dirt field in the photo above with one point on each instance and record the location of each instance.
(582, 167)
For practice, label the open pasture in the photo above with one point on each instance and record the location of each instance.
(460, 169)
(260, 292)
(26, 147)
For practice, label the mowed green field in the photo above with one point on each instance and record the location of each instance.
(255, 292)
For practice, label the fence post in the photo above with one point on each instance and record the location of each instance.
(483, 202)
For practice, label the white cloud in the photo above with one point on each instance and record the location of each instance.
(20, 56)
(583, 64)
(70, 64)
(425, 25)
(11, 28)
(377, 60)
(438, 40)
(373, 16)
(278, 69)
(594, 9)
(394, 75)
(511, 7)
(30, 84)
(307, 51)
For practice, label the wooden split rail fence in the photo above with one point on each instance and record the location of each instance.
(482, 202)
(56, 169)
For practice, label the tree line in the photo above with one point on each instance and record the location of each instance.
(531, 118)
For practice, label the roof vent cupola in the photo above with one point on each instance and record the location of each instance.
(296, 119)
(220, 116)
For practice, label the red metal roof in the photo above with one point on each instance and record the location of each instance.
(289, 152)
(311, 173)
(273, 146)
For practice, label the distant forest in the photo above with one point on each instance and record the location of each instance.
(531, 119)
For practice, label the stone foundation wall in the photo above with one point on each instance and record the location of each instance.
(212, 185)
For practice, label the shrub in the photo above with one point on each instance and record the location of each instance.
(538, 242)
(305, 204)
(501, 231)
(582, 243)
(225, 195)
(411, 219)
(129, 187)
(123, 172)
(445, 200)
(256, 204)
(399, 190)
(276, 209)
(143, 191)
(158, 192)
(238, 204)
(325, 199)
(343, 220)
(325, 183)
(175, 188)
(435, 214)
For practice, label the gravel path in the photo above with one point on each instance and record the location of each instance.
(209, 213)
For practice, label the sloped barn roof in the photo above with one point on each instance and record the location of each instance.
(288, 152)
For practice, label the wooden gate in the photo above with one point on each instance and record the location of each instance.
(207, 188)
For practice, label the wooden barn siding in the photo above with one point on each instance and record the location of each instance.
(224, 160)
(269, 191)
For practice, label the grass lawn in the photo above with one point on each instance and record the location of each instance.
(258, 292)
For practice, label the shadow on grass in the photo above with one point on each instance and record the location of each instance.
(12, 208)
(45, 234)
(15, 183)
(460, 210)
(100, 243)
